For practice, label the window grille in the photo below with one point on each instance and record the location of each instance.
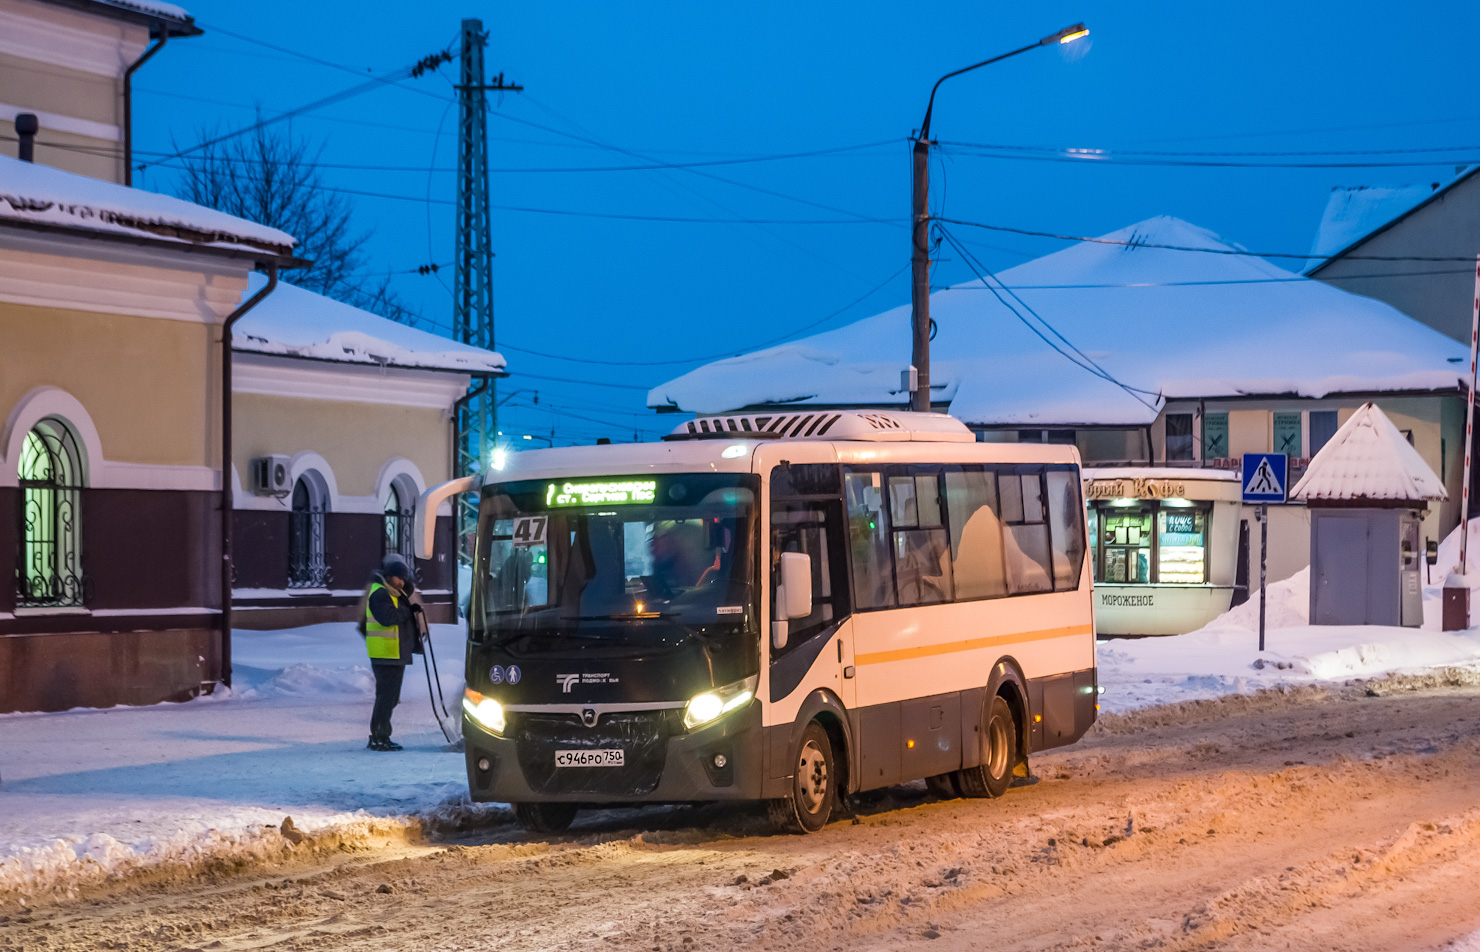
(307, 565)
(399, 527)
(49, 568)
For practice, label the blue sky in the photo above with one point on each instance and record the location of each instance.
(699, 82)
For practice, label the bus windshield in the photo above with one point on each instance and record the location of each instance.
(641, 561)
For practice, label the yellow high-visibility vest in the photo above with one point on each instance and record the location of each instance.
(383, 642)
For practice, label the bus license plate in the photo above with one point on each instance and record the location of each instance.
(589, 758)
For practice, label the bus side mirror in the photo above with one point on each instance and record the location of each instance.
(1431, 553)
(795, 593)
(425, 531)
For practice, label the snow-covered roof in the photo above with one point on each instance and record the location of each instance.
(1369, 458)
(1355, 211)
(1158, 472)
(151, 12)
(298, 323)
(40, 195)
(149, 7)
(1178, 324)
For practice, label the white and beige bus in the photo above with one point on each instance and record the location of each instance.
(787, 608)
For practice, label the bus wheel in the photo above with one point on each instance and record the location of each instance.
(813, 787)
(545, 817)
(942, 786)
(999, 754)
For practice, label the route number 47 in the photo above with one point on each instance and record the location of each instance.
(530, 530)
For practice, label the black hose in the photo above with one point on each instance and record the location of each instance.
(429, 665)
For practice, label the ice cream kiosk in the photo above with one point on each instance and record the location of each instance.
(1164, 541)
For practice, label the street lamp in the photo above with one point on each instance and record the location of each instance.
(920, 232)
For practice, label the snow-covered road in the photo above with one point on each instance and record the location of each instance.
(92, 797)
(1332, 819)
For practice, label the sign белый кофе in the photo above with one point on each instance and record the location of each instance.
(1136, 488)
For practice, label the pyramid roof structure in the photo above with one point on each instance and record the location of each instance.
(1164, 309)
(1369, 459)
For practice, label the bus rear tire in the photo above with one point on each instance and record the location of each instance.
(999, 755)
(545, 817)
(814, 783)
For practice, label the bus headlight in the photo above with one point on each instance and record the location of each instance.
(714, 704)
(485, 711)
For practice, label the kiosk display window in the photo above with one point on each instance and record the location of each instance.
(1153, 542)
(1126, 537)
(1181, 546)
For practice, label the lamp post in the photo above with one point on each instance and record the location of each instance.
(920, 231)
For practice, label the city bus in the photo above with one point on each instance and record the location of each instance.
(781, 607)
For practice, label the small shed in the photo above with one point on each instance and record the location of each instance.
(1366, 490)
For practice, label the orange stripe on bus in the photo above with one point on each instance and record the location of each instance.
(970, 644)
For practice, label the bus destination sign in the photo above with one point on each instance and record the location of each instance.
(601, 493)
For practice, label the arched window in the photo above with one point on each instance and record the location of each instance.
(307, 566)
(400, 516)
(50, 569)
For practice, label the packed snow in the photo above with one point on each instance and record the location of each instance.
(1368, 458)
(1355, 211)
(1176, 324)
(38, 194)
(153, 7)
(86, 795)
(300, 323)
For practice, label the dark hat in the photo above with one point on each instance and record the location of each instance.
(394, 564)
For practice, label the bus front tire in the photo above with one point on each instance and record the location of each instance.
(999, 757)
(545, 817)
(813, 786)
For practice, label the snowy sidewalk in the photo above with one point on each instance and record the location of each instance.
(92, 792)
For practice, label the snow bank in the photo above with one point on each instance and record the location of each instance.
(89, 795)
(1223, 657)
(300, 323)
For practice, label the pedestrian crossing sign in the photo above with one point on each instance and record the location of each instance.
(1265, 477)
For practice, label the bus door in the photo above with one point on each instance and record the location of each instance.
(815, 651)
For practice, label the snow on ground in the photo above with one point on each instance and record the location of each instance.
(87, 793)
(1223, 657)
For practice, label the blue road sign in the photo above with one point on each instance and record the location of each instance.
(1266, 477)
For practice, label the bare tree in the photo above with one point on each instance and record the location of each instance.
(273, 180)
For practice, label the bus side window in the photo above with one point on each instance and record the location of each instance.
(976, 534)
(1065, 522)
(868, 540)
(805, 527)
(1025, 539)
(922, 554)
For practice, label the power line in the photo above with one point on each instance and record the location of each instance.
(1079, 358)
(1079, 150)
(1212, 251)
(730, 353)
(582, 169)
(1105, 158)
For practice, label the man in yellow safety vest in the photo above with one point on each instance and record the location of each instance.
(389, 624)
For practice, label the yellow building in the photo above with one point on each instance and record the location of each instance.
(341, 419)
(70, 63)
(112, 302)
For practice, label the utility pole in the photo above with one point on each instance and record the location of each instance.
(919, 386)
(920, 274)
(472, 319)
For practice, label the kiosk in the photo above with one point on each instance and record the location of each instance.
(1367, 490)
(1164, 544)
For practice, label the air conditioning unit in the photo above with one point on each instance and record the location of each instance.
(270, 476)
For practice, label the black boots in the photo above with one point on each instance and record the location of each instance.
(382, 743)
